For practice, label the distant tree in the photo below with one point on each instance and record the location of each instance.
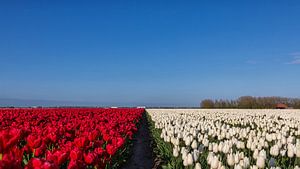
(246, 102)
(207, 104)
(249, 102)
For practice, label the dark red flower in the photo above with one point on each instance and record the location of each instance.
(81, 142)
(89, 158)
(94, 135)
(111, 150)
(76, 165)
(76, 154)
(34, 141)
(48, 165)
(36, 162)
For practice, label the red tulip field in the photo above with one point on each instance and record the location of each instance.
(70, 138)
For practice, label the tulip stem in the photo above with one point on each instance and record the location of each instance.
(33, 153)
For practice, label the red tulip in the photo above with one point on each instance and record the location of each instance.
(76, 154)
(120, 141)
(111, 150)
(89, 158)
(81, 142)
(94, 135)
(34, 141)
(36, 162)
(48, 165)
(76, 165)
(62, 157)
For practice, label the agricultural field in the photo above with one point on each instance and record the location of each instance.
(133, 138)
(72, 138)
(223, 138)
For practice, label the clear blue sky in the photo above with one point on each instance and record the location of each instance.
(149, 52)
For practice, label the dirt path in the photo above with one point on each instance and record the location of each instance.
(142, 156)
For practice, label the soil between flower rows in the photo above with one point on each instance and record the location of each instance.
(142, 155)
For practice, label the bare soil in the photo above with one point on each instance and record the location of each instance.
(142, 154)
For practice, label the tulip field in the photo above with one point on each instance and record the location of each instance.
(219, 139)
(102, 138)
(72, 138)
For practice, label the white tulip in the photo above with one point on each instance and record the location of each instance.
(197, 166)
(190, 160)
(260, 162)
(187, 141)
(230, 160)
(221, 167)
(274, 151)
(209, 158)
(237, 166)
(263, 153)
(254, 167)
(210, 147)
(282, 152)
(215, 162)
(175, 152)
(194, 144)
(255, 154)
(220, 146)
(236, 158)
(215, 148)
(290, 153)
(184, 154)
(185, 162)
(195, 154)
(246, 162)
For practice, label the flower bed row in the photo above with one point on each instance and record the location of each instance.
(65, 137)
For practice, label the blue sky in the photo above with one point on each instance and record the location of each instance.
(148, 52)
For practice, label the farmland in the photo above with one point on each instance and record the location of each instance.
(220, 139)
(107, 138)
(65, 138)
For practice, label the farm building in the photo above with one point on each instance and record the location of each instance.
(281, 106)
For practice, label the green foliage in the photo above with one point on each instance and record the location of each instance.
(163, 150)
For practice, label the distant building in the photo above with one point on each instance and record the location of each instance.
(281, 106)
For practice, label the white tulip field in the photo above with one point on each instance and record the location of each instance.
(230, 138)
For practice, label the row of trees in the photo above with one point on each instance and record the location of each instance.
(249, 102)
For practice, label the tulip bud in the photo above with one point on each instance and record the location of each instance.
(185, 163)
(197, 166)
(246, 162)
(190, 160)
(175, 152)
(194, 144)
(215, 148)
(215, 162)
(195, 155)
(237, 166)
(236, 158)
(230, 160)
(255, 154)
(260, 162)
(290, 153)
(274, 151)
